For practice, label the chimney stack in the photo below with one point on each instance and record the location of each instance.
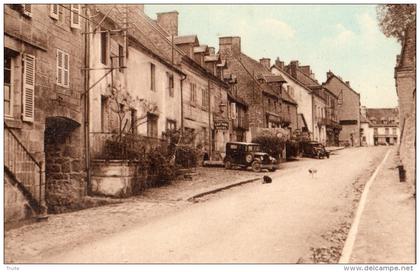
(266, 62)
(169, 22)
(229, 47)
(348, 83)
(279, 63)
(294, 64)
(211, 51)
(329, 74)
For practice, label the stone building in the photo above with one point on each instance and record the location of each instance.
(348, 109)
(205, 93)
(300, 93)
(304, 75)
(382, 126)
(44, 106)
(405, 82)
(259, 88)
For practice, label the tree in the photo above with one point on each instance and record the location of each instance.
(395, 18)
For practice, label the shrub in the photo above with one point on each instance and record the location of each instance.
(272, 145)
(186, 156)
(159, 165)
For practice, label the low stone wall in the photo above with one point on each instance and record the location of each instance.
(16, 206)
(116, 178)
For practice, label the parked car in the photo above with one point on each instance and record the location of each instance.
(246, 155)
(314, 149)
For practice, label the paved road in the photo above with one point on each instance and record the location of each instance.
(257, 223)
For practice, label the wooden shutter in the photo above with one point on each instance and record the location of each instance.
(233, 111)
(66, 70)
(59, 67)
(54, 11)
(27, 10)
(74, 16)
(28, 88)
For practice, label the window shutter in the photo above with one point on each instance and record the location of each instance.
(28, 88)
(54, 11)
(27, 10)
(66, 70)
(59, 67)
(74, 17)
(233, 113)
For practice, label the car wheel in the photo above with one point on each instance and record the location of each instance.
(256, 166)
(272, 169)
(228, 164)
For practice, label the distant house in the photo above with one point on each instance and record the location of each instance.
(259, 88)
(348, 109)
(382, 126)
(405, 81)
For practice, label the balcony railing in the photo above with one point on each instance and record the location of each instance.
(241, 122)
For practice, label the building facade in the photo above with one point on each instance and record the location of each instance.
(405, 82)
(379, 126)
(301, 94)
(348, 109)
(258, 87)
(44, 103)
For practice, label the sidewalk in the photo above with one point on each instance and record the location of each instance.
(387, 226)
(64, 231)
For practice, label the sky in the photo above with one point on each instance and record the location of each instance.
(342, 38)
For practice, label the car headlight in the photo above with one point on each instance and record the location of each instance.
(248, 158)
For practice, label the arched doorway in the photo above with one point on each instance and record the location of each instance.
(63, 163)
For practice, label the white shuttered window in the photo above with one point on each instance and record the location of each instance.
(54, 11)
(63, 65)
(28, 88)
(75, 18)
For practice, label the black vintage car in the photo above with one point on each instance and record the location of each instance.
(314, 149)
(244, 155)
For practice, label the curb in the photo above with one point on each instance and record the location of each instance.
(213, 191)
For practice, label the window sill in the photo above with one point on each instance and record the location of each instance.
(13, 123)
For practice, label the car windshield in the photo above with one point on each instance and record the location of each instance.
(253, 148)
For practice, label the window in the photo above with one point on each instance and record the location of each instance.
(8, 93)
(62, 68)
(74, 16)
(386, 131)
(170, 83)
(28, 88)
(152, 125)
(394, 131)
(152, 77)
(275, 105)
(54, 11)
(205, 98)
(104, 47)
(27, 10)
(193, 94)
(120, 58)
(170, 125)
(375, 131)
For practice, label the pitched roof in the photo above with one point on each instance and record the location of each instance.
(380, 113)
(290, 77)
(341, 80)
(287, 98)
(185, 39)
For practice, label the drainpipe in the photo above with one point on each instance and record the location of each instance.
(86, 104)
(182, 104)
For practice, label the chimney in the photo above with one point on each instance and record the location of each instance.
(169, 22)
(211, 51)
(363, 111)
(229, 47)
(329, 74)
(306, 70)
(398, 59)
(266, 62)
(279, 63)
(294, 64)
(348, 83)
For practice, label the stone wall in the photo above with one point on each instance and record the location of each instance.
(16, 206)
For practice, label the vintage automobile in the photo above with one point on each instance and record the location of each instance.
(314, 149)
(244, 155)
